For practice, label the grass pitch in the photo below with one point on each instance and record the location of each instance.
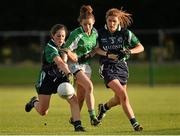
(157, 109)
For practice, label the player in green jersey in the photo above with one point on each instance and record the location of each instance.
(54, 71)
(81, 41)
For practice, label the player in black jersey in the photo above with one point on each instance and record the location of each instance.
(115, 45)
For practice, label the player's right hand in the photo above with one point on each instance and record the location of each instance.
(112, 56)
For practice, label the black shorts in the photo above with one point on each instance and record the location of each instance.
(48, 84)
(113, 71)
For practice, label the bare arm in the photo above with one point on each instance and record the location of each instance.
(72, 56)
(61, 65)
(139, 48)
(105, 53)
(100, 51)
(64, 57)
(68, 54)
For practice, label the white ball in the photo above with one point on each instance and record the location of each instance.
(65, 90)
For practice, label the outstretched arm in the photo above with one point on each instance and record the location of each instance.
(64, 67)
(61, 64)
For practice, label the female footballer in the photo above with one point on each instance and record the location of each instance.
(81, 41)
(115, 45)
(54, 71)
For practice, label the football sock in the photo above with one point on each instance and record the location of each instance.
(77, 123)
(92, 114)
(134, 122)
(106, 107)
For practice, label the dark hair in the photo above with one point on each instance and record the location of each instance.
(85, 13)
(57, 27)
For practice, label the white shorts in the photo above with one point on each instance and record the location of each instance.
(75, 67)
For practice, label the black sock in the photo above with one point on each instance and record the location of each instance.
(77, 123)
(106, 107)
(134, 122)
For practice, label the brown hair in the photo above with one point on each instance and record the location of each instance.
(125, 18)
(85, 13)
(57, 27)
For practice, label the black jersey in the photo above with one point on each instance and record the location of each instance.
(114, 42)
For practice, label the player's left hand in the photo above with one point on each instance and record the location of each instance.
(124, 53)
(70, 78)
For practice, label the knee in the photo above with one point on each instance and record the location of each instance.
(74, 99)
(122, 96)
(116, 101)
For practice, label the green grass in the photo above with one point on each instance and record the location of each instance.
(157, 109)
(139, 73)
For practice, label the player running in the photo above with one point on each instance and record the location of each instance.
(54, 71)
(81, 41)
(116, 44)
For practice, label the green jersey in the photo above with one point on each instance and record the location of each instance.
(80, 43)
(50, 52)
(50, 77)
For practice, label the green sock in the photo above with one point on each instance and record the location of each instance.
(92, 114)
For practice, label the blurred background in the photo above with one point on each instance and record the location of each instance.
(25, 25)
